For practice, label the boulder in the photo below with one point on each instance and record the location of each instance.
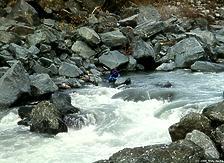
(215, 113)
(8, 37)
(203, 141)
(24, 12)
(122, 81)
(45, 118)
(79, 120)
(83, 50)
(142, 49)
(113, 59)
(219, 138)
(131, 64)
(166, 67)
(89, 35)
(69, 70)
(207, 37)
(149, 28)
(190, 122)
(114, 38)
(42, 84)
(19, 51)
(62, 102)
(175, 152)
(186, 52)
(204, 66)
(13, 84)
(132, 95)
(25, 111)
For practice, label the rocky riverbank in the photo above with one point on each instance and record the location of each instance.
(46, 48)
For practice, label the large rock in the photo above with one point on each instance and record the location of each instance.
(203, 141)
(62, 102)
(45, 118)
(113, 38)
(176, 152)
(24, 12)
(13, 84)
(8, 37)
(166, 67)
(83, 50)
(215, 112)
(113, 59)
(190, 122)
(69, 70)
(89, 35)
(186, 52)
(204, 66)
(207, 37)
(42, 84)
(143, 50)
(149, 28)
(219, 138)
(19, 51)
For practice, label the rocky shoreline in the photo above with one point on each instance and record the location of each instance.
(46, 49)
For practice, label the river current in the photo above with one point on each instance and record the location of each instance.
(113, 124)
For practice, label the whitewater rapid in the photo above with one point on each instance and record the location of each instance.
(114, 124)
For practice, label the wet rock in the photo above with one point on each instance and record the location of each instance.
(175, 152)
(143, 50)
(219, 138)
(204, 66)
(203, 141)
(164, 85)
(215, 113)
(24, 12)
(113, 38)
(166, 67)
(89, 35)
(148, 29)
(69, 70)
(42, 84)
(79, 120)
(45, 118)
(20, 52)
(131, 64)
(185, 57)
(25, 111)
(64, 83)
(13, 84)
(113, 59)
(62, 102)
(187, 124)
(122, 81)
(132, 95)
(83, 50)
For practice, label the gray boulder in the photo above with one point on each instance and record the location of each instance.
(149, 28)
(13, 84)
(69, 70)
(24, 12)
(42, 84)
(89, 35)
(62, 102)
(203, 141)
(113, 59)
(204, 66)
(83, 50)
(186, 52)
(207, 37)
(215, 112)
(166, 67)
(190, 122)
(113, 38)
(176, 152)
(143, 50)
(45, 118)
(19, 51)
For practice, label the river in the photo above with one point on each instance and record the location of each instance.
(114, 123)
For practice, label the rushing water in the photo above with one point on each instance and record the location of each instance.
(114, 123)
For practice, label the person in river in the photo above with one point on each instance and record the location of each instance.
(114, 74)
